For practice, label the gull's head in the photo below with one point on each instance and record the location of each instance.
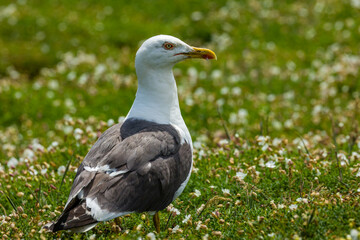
(163, 51)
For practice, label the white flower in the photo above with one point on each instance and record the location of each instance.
(271, 235)
(67, 130)
(270, 164)
(43, 171)
(224, 90)
(225, 191)
(151, 236)
(354, 234)
(276, 142)
(175, 211)
(61, 170)
(280, 206)
(33, 171)
(197, 144)
(282, 152)
(121, 119)
(201, 153)
(8, 147)
(53, 84)
(358, 173)
(89, 129)
(110, 122)
(53, 145)
(301, 143)
(277, 125)
(241, 175)
(293, 206)
(265, 147)
(240, 117)
(287, 160)
(36, 146)
(343, 159)
(13, 162)
(237, 91)
(198, 225)
(354, 156)
(224, 142)
(83, 79)
(216, 73)
(29, 154)
(194, 170)
(71, 76)
(274, 157)
(262, 140)
(261, 162)
(175, 229)
(77, 133)
(138, 227)
(303, 200)
(355, 3)
(186, 219)
(197, 193)
(289, 123)
(69, 103)
(99, 69)
(92, 237)
(243, 113)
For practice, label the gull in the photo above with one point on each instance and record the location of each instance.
(143, 164)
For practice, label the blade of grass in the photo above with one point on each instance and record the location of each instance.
(223, 124)
(66, 170)
(303, 142)
(167, 223)
(213, 200)
(334, 134)
(39, 195)
(3, 209)
(11, 203)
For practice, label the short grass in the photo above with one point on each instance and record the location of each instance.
(274, 121)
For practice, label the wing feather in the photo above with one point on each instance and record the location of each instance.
(128, 171)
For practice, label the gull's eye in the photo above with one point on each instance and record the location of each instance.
(168, 46)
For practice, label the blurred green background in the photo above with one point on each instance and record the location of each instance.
(271, 58)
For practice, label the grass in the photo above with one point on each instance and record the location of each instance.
(274, 121)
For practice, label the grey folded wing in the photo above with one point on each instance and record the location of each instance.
(135, 167)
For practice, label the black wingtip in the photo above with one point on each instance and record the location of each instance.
(54, 226)
(49, 227)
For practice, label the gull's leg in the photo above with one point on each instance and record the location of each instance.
(156, 220)
(117, 222)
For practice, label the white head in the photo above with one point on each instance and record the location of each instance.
(156, 98)
(163, 51)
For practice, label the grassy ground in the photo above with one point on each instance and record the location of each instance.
(275, 121)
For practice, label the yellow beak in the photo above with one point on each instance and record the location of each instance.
(201, 53)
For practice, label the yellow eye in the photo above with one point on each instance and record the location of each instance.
(168, 46)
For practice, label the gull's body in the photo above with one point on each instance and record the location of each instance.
(145, 163)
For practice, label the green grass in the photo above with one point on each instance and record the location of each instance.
(285, 87)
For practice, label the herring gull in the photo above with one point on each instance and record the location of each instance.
(143, 164)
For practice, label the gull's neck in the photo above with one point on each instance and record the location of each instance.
(157, 99)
